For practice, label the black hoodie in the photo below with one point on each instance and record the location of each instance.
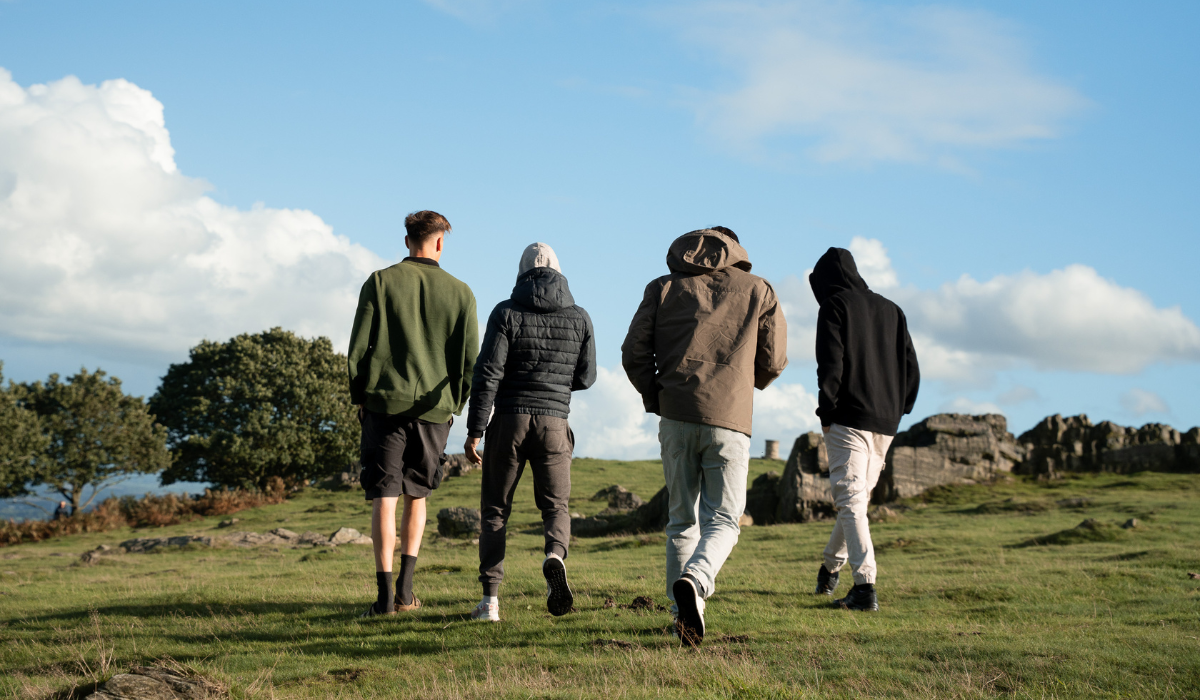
(537, 349)
(867, 374)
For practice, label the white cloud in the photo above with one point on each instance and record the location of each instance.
(104, 242)
(783, 412)
(1017, 395)
(610, 422)
(871, 83)
(1069, 319)
(1139, 402)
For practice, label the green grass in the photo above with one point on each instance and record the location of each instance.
(966, 611)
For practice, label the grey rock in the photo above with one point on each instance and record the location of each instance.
(762, 499)
(285, 534)
(253, 539)
(130, 686)
(1131, 524)
(459, 522)
(948, 448)
(142, 545)
(344, 535)
(803, 490)
(361, 539)
(229, 523)
(1073, 444)
(651, 516)
(313, 538)
(618, 497)
(457, 465)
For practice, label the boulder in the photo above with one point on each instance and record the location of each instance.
(129, 686)
(762, 499)
(618, 497)
(285, 534)
(803, 490)
(947, 448)
(459, 522)
(346, 535)
(316, 539)
(253, 539)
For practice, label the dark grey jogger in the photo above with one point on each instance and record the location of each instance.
(546, 442)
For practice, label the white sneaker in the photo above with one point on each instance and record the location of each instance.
(486, 612)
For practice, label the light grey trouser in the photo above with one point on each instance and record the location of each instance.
(705, 468)
(855, 459)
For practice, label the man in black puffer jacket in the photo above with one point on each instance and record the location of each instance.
(537, 349)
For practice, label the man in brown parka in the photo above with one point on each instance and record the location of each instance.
(704, 337)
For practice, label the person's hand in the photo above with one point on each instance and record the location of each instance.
(825, 429)
(360, 413)
(469, 449)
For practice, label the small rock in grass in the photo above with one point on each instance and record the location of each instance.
(344, 535)
(459, 522)
(1076, 502)
(1132, 523)
(361, 539)
(286, 534)
(229, 523)
(1193, 574)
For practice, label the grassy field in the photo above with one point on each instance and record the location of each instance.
(981, 595)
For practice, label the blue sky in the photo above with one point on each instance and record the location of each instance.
(1020, 177)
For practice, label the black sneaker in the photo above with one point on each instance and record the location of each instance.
(689, 624)
(861, 597)
(826, 582)
(558, 594)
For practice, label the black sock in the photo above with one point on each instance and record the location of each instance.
(491, 589)
(408, 564)
(383, 604)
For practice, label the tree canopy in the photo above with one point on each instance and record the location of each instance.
(258, 406)
(95, 433)
(22, 443)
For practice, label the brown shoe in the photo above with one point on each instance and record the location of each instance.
(398, 607)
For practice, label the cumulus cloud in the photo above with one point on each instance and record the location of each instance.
(103, 242)
(610, 421)
(871, 83)
(1139, 402)
(1069, 319)
(962, 404)
(783, 412)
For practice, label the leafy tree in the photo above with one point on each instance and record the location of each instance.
(97, 434)
(21, 443)
(258, 406)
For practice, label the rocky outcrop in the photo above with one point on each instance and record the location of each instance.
(1073, 444)
(651, 516)
(457, 465)
(948, 448)
(618, 497)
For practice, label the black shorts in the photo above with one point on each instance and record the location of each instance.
(401, 455)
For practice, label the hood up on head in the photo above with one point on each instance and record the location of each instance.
(833, 273)
(705, 251)
(543, 289)
(537, 255)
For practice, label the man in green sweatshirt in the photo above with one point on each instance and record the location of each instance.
(412, 354)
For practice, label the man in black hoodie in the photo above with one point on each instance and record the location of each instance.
(867, 378)
(537, 349)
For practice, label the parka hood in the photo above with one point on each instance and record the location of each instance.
(704, 251)
(833, 273)
(543, 289)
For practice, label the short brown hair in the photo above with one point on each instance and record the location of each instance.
(419, 225)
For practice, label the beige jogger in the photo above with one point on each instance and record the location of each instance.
(855, 460)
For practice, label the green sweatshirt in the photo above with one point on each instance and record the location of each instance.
(414, 342)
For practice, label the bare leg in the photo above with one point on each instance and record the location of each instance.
(383, 530)
(412, 526)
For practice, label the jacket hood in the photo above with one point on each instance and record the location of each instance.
(537, 255)
(543, 289)
(835, 272)
(704, 251)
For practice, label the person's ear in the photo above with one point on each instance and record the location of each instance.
(441, 237)
(406, 243)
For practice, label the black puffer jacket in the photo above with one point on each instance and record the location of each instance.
(537, 349)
